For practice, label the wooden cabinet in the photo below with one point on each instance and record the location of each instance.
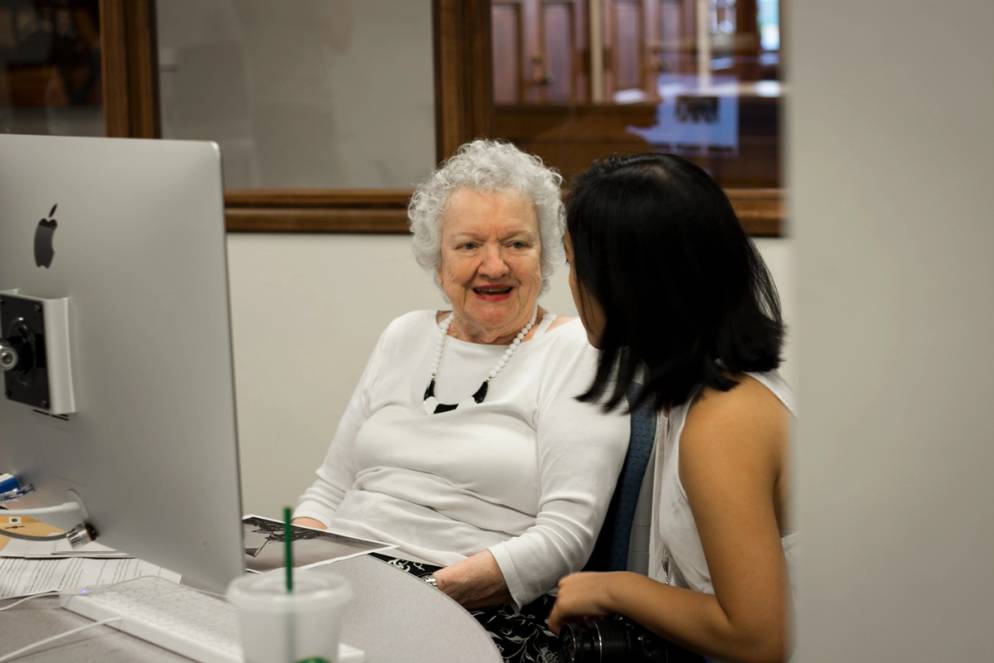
(542, 49)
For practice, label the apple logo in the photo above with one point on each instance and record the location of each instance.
(44, 235)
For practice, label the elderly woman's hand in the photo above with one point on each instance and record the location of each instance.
(309, 522)
(475, 582)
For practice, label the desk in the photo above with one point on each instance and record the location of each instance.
(393, 616)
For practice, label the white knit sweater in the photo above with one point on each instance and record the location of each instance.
(527, 474)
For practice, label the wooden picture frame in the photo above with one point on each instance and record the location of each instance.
(463, 111)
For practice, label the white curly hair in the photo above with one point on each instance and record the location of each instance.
(489, 165)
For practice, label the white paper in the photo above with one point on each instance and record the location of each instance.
(24, 577)
(56, 549)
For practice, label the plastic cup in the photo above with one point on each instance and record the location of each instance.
(279, 627)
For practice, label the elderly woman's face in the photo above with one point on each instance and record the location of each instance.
(491, 263)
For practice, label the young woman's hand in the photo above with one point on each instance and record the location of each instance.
(582, 595)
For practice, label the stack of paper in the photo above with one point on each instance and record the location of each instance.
(57, 549)
(24, 577)
(35, 567)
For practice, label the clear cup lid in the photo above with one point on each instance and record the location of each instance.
(267, 591)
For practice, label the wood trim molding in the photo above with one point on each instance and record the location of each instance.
(463, 76)
(761, 211)
(382, 211)
(312, 198)
(129, 68)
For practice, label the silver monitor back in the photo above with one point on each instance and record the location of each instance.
(139, 250)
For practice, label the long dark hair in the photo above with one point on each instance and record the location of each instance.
(686, 297)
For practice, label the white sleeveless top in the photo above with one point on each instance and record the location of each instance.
(676, 556)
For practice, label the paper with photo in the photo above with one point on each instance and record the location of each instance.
(311, 547)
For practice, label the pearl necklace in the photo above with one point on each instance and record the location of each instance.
(431, 404)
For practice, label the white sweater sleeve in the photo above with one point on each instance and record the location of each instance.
(580, 452)
(337, 473)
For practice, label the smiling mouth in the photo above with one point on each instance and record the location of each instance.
(493, 293)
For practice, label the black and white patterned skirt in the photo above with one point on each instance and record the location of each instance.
(521, 635)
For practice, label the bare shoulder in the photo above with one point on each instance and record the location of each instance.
(561, 320)
(746, 424)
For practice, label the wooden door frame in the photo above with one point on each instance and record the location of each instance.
(463, 111)
(129, 68)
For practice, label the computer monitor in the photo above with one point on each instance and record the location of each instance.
(132, 233)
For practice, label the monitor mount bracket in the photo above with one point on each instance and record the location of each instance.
(34, 352)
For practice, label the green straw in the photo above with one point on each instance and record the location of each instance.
(288, 549)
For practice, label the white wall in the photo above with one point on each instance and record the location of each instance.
(306, 312)
(891, 154)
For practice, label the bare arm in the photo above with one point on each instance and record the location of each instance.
(731, 462)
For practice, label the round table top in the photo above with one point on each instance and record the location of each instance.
(393, 617)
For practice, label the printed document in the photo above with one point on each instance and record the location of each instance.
(24, 577)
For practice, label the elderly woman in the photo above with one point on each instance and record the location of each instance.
(464, 443)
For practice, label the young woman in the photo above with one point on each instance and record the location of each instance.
(676, 298)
